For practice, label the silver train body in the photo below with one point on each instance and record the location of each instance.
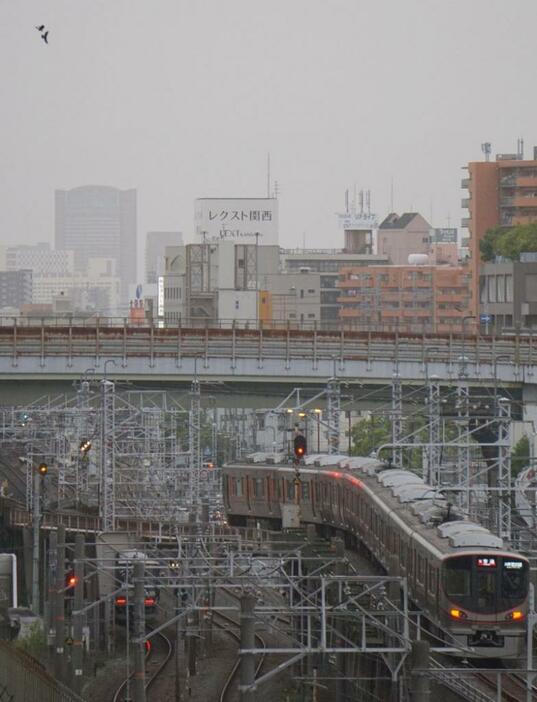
(458, 573)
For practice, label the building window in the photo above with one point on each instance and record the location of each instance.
(509, 288)
(500, 288)
(491, 288)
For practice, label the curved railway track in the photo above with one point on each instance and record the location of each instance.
(226, 691)
(155, 664)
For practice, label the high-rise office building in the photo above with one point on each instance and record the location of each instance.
(97, 221)
(501, 193)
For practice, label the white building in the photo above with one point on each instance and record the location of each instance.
(99, 289)
(40, 259)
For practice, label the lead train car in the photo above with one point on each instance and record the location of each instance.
(458, 572)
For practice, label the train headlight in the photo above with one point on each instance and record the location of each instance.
(515, 616)
(458, 614)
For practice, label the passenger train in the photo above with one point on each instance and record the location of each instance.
(458, 573)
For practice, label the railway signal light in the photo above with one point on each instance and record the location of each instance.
(42, 469)
(300, 446)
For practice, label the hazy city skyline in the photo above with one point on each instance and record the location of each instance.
(184, 99)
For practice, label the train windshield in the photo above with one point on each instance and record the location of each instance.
(486, 584)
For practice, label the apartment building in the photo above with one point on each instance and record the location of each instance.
(500, 193)
(420, 298)
(327, 263)
(40, 259)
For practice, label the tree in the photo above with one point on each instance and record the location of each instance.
(520, 456)
(369, 433)
(487, 245)
(517, 240)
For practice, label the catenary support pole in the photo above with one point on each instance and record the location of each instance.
(77, 615)
(59, 605)
(247, 666)
(420, 681)
(36, 524)
(139, 631)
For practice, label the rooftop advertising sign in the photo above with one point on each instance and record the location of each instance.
(242, 220)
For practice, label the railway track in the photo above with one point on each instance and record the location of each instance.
(513, 687)
(154, 665)
(227, 689)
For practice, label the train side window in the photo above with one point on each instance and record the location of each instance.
(421, 569)
(290, 490)
(238, 487)
(432, 580)
(259, 488)
(305, 490)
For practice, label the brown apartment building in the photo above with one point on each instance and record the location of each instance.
(412, 298)
(500, 193)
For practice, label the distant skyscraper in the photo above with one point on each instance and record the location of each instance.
(155, 247)
(96, 221)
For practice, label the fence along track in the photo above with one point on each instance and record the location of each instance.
(24, 678)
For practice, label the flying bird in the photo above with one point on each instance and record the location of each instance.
(44, 37)
(41, 28)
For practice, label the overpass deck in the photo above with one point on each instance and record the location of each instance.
(306, 355)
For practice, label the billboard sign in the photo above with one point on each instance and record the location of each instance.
(357, 220)
(444, 236)
(242, 220)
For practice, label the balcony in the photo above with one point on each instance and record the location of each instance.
(465, 222)
(465, 242)
(526, 182)
(526, 202)
(465, 203)
(465, 183)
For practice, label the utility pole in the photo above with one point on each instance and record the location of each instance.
(77, 612)
(39, 474)
(247, 660)
(139, 631)
(59, 605)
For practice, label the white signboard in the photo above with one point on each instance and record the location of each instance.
(242, 220)
(357, 220)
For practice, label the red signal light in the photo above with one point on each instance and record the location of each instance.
(72, 581)
(149, 601)
(121, 601)
(299, 445)
(148, 646)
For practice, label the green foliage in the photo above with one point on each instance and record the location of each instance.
(34, 643)
(509, 243)
(487, 245)
(520, 456)
(368, 434)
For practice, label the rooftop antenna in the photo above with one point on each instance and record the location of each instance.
(368, 201)
(347, 201)
(361, 201)
(276, 188)
(268, 174)
(486, 149)
(520, 149)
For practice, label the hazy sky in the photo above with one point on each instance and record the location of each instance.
(183, 98)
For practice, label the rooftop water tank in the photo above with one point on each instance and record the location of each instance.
(418, 259)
